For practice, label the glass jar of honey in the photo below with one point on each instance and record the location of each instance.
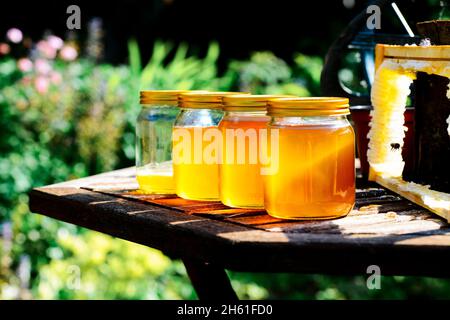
(197, 144)
(312, 167)
(243, 126)
(154, 140)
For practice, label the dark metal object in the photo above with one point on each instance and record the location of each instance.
(357, 37)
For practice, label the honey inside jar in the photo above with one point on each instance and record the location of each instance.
(194, 179)
(154, 124)
(197, 144)
(315, 176)
(241, 183)
(158, 180)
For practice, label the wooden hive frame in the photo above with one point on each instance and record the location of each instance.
(395, 69)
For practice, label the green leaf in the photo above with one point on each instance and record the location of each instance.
(134, 58)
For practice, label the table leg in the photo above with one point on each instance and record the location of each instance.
(210, 282)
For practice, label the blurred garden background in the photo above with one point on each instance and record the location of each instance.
(68, 103)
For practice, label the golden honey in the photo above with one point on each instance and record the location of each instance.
(195, 179)
(241, 183)
(157, 180)
(153, 140)
(196, 145)
(315, 176)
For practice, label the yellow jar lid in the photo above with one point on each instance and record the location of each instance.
(204, 100)
(308, 106)
(249, 102)
(151, 96)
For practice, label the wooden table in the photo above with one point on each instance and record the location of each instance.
(383, 229)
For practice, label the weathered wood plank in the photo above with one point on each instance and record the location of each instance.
(372, 215)
(414, 197)
(244, 241)
(417, 52)
(210, 282)
(389, 224)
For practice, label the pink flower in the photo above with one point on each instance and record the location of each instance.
(46, 50)
(25, 65)
(41, 83)
(55, 78)
(68, 53)
(14, 35)
(42, 66)
(4, 48)
(55, 42)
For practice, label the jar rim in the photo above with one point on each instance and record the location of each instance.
(249, 102)
(205, 99)
(149, 96)
(308, 106)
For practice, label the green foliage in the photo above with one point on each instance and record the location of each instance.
(301, 287)
(64, 124)
(263, 69)
(182, 71)
(72, 120)
(71, 130)
(267, 74)
(134, 58)
(92, 261)
(307, 71)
